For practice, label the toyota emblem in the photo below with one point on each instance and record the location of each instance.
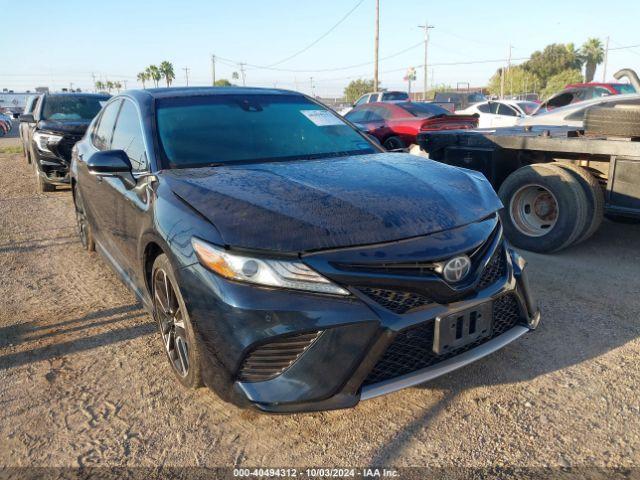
(456, 269)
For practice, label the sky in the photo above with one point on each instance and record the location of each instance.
(56, 43)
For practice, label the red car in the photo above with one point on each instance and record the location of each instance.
(396, 125)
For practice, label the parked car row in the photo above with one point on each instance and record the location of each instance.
(294, 265)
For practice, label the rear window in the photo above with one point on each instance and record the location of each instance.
(70, 107)
(203, 130)
(626, 88)
(423, 110)
(394, 96)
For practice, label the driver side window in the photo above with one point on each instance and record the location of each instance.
(103, 131)
(128, 136)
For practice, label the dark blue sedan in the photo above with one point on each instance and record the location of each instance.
(290, 263)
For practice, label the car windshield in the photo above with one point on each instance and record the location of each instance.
(423, 110)
(528, 107)
(624, 88)
(476, 98)
(211, 129)
(70, 107)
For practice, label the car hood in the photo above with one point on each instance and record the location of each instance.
(318, 204)
(74, 127)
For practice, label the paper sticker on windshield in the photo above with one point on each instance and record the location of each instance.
(321, 118)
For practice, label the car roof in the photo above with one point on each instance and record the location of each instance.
(172, 92)
(592, 102)
(74, 94)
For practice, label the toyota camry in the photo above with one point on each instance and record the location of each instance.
(291, 264)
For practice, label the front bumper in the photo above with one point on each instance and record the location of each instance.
(336, 369)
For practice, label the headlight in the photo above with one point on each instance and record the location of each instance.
(44, 139)
(263, 271)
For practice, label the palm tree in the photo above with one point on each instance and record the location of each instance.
(154, 74)
(235, 76)
(99, 85)
(166, 70)
(109, 86)
(593, 54)
(142, 78)
(117, 86)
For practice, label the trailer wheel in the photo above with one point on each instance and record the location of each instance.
(595, 198)
(618, 121)
(545, 208)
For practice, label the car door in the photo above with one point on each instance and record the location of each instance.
(506, 116)
(133, 202)
(99, 192)
(485, 116)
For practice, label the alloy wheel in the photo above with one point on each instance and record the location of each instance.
(171, 322)
(82, 227)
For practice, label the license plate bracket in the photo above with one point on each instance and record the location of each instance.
(462, 328)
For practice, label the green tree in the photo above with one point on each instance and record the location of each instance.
(142, 78)
(166, 70)
(109, 85)
(223, 82)
(592, 54)
(554, 59)
(100, 86)
(154, 74)
(560, 80)
(357, 88)
(517, 80)
(117, 86)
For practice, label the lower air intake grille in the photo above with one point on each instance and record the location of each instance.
(271, 359)
(495, 269)
(412, 349)
(396, 301)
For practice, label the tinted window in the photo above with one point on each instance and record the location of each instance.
(72, 107)
(358, 115)
(624, 88)
(362, 99)
(484, 108)
(101, 136)
(395, 96)
(506, 110)
(423, 110)
(200, 130)
(528, 107)
(127, 136)
(493, 107)
(374, 98)
(476, 97)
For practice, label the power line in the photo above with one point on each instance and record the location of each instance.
(299, 52)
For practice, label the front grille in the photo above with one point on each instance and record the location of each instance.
(273, 358)
(495, 269)
(396, 301)
(412, 349)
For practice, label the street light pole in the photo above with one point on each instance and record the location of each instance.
(375, 48)
(426, 28)
(606, 60)
(213, 70)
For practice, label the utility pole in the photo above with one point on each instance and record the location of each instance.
(93, 76)
(426, 28)
(312, 86)
(504, 73)
(375, 48)
(186, 74)
(243, 74)
(213, 70)
(606, 60)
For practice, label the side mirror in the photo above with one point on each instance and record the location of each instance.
(26, 118)
(112, 163)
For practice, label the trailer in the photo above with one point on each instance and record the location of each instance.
(557, 183)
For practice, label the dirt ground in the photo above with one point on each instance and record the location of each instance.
(83, 379)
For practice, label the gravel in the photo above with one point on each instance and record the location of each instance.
(84, 381)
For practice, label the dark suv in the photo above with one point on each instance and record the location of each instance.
(58, 121)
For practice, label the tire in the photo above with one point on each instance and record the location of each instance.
(83, 227)
(42, 185)
(545, 208)
(595, 198)
(176, 332)
(618, 121)
(394, 143)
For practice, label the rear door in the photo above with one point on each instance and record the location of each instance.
(506, 116)
(132, 203)
(99, 193)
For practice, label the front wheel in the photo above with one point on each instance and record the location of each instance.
(394, 143)
(176, 331)
(545, 208)
(83, 227)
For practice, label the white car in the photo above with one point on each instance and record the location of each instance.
(500, 113)
(572, 115)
